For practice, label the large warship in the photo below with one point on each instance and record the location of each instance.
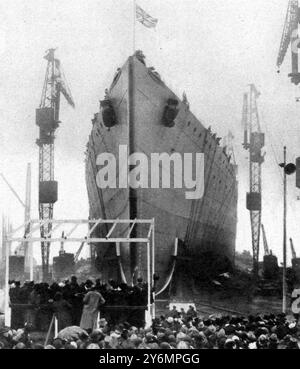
(140, 111)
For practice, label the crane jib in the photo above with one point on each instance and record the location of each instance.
(290, 25)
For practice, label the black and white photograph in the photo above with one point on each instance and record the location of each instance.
(149, 177)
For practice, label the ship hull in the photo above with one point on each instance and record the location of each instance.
(203, 225)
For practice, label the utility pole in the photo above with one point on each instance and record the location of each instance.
(284, 236)
(288, 169)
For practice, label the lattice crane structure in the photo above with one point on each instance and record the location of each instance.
(47, 119)
(290, 37)
(294, 255)
(254, 141)
(266, 246)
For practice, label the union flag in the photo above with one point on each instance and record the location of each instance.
(145, 18)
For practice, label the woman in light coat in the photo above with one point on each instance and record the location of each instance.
(91, 302)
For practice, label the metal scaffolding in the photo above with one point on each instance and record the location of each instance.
(54, 235)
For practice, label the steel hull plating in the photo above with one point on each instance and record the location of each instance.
(138, 97)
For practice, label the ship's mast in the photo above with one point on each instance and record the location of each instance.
(131, 134)
(133, 26)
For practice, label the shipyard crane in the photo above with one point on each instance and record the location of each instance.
(76, 257)
(62, 248)
(266, 246)
(24, 249)
(294, 256)
(253, 142)
(47, 119)
(228, 143)
(62, 244)
(6, 230)
(290, 37)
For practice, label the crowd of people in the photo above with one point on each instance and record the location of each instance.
(76, 307)
(76, 304)
(175, 330)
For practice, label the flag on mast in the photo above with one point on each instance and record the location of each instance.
(145, 18)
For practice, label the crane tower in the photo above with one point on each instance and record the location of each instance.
(294, 255)
(24, 249)
(290, 36)
(266, 246)
(47, 119)
(228, 143)
(253, 142)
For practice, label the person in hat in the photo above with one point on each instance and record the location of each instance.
(62, 309)
(20, 346)
(88, 285)
(182, 345)
(17, 311)
(102, 323)
(191, 313)
(139, 299)
(76, 299)
(293, 344)
(93, 346)
(174, 313)
(273, 342)
(49, 347)
(182, 313)
(33, 304)
(58, 344)
(91, 302)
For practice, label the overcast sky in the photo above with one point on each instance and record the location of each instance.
(209, 48)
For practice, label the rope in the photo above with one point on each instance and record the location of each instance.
(49, 330)
(127, 307)
(168, 281)
(140, 261)
(275, 157)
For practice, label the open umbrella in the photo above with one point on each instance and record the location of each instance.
(73, 333)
